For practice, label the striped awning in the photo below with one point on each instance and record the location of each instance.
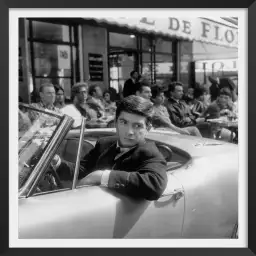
(215, 31)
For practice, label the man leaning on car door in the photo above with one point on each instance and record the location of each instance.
(126, 162)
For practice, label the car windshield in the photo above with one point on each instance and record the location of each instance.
(36, 128)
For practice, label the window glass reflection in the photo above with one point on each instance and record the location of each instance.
(164, 68)
(50, 60)
(145, 44)
(146, 65)
(163, 46)
(49, 31)
(122, 40)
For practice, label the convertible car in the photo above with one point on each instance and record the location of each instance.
(200, 200)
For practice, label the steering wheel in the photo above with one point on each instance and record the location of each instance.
(56, 176)
(50, 181)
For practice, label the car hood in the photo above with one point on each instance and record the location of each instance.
(192, 145)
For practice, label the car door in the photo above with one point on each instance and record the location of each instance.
(96, 212)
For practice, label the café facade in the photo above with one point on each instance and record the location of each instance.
(105, 50)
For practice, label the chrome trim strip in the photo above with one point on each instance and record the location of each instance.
(78, 154)
(49, 112)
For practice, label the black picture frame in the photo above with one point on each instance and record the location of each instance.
(4, 128)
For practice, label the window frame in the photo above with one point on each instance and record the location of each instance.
(74, 62)
(152, 37)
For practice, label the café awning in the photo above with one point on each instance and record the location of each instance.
(216, 31)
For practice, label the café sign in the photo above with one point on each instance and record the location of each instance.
(199, 29)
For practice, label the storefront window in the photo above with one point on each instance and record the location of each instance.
(186, 75)
(51, 60)
(146, 44)
(184, 72)
(120, 67)
(48, 61)
(163, 46)
(185, 69)
(146, 65)
(163, 68)
(49, 31)
(153, 58)
(122, 40)
(215, 68)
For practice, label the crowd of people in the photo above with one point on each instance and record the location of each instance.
(183, 112)
(131, 164)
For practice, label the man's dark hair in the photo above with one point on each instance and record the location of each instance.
(42, 86)
(105, 92)
(136, 105)
(58, 88)
(226, 82)
(132, 73)
(76, 88)
(156, 90)
(172, 86)
(112, 98)
(226, 91)
(92, 89)
(199, 91)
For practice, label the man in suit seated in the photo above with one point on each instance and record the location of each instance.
(126, 162)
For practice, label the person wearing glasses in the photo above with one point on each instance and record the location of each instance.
(47, 98)
(80, 107)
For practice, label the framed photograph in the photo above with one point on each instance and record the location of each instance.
(130, 219)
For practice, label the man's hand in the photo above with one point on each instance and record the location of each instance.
(187, 119)
(55, 160)
(93, 178)
(200, 120)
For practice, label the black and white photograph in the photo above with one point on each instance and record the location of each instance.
(128, 127)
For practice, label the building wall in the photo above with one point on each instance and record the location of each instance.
(204, 51)
(95, 41)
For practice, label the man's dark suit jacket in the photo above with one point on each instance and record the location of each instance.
(129, 88)
(140, 172)
(180, 113)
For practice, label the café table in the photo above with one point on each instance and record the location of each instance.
(225, 123)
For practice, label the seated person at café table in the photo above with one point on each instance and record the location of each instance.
(110, 106)
(80, 108)
(161, 117)
(224, 109)
(47, 98)
(126, 163)
(189, 98)
(200, 100)
(95, 99)
(179, 112)
(222, 106)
